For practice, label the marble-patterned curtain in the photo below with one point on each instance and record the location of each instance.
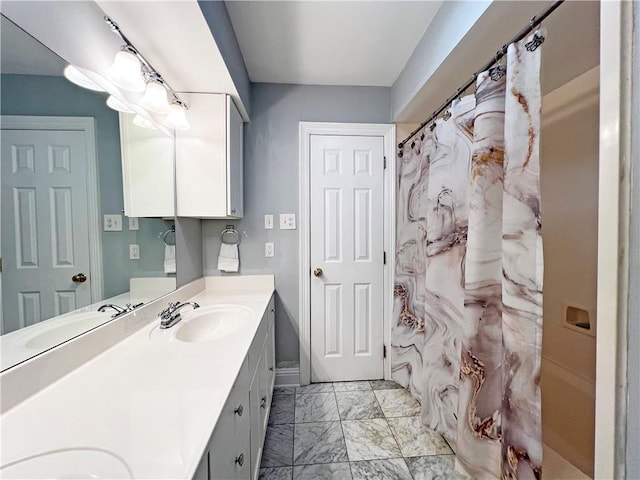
(468, 290)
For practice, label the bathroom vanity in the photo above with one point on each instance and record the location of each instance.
(190, 401)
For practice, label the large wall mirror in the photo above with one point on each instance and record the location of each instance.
(61, 173)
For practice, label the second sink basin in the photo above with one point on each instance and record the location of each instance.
(208, 323)
(68, 463)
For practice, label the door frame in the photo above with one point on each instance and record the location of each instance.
(306, 130)
(614, 215)
(86, 125)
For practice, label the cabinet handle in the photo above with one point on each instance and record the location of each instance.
(271, 369)
(263, 402)
(240, 459)
(238, 410)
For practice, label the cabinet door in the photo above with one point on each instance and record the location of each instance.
(201, 165)
(235, 194)
(257, 426)
(147, 170)
(229, 452)
(265, 398)
(271, 347)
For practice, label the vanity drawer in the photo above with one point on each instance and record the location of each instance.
(229, 452)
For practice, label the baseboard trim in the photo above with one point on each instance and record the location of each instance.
(287, 377)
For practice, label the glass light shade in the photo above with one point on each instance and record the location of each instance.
(125, 72)
(143, 122)
(114, 103)
(155, 98)
(74, 75)
(177, 117)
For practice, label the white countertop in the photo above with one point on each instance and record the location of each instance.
(150, 400)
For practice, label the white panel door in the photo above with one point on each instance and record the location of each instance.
(44, 199)
(346, 258)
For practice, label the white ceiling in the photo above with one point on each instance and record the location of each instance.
(22, 54)
(329, 43)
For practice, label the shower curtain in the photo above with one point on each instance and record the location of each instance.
(467, 331)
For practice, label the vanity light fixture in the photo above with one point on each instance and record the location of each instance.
(74, 75)
(126, 71)
(131, 71)
(155, 96)
(177, 117)
(114, 103)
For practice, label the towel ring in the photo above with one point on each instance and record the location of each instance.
(230, 236)
(169, 237)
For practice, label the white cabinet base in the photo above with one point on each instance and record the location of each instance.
(236, 446)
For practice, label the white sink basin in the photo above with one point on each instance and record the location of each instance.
(71, 463)
(50, 334)
(209, 323)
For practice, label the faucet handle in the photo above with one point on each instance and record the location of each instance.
(166, 313)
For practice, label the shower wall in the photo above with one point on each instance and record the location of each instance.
(569, 184)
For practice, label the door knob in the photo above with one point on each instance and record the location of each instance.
(318, 272)
(79, 278)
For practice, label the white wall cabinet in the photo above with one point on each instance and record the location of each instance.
(235, 448)
(209, 158)
(147, 170)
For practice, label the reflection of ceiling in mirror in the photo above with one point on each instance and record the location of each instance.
(22, 54)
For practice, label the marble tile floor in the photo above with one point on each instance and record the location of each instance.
(363, 430)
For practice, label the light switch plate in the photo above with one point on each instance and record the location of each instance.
(268, 222)
(133, 223)
(269, 249)
(134, 251)
(113, 223)
(287, 221)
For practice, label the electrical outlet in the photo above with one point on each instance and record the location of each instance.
(113, 223)
(134, 251)
(268, 222)
(269, 250)
(133, 223)
(287, 221)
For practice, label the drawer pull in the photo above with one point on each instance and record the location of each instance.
(238, 410)
(240, 459)
(263, 402)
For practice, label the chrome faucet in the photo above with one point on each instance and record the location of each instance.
(171, 315)
(119, 310)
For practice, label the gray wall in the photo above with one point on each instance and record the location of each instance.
(633, 333)
(217, 17)
(55, 96)
(188, 250)
(271, 184)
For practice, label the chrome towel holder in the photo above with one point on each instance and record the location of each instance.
(169, 237)
(230, 235)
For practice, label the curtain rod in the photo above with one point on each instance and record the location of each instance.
(533, 23)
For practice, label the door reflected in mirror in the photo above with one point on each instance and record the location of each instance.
(67, 247)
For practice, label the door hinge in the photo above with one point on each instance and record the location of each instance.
(385, 162)
(384, 351)
(384, 258)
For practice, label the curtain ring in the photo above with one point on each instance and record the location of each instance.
(533, 45)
